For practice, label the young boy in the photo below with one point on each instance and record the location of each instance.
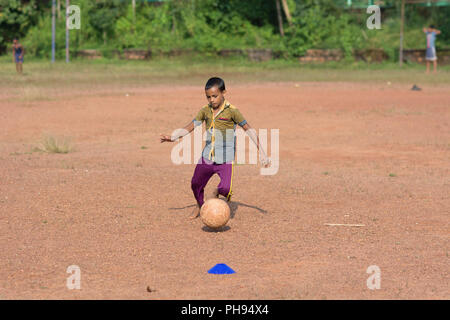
(219, 152)
(18, 52)
(431, 33)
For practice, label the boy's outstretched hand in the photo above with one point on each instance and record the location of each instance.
(165, 138)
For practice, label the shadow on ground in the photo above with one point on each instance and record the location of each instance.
(234, 206)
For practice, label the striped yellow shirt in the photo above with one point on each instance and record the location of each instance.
(220, 140)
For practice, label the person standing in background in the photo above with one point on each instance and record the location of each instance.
(431, 33)
(18, 52)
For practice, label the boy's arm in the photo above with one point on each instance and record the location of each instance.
(239, 119)
(188, 128)
(437, 31)
(23, 52)
(265, 161)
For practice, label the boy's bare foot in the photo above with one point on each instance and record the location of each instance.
(195, 213)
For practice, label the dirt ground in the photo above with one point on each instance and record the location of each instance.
(117, 207)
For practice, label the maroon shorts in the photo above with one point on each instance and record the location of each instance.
(204, 170)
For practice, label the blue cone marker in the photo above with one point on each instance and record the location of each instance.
(221, 268)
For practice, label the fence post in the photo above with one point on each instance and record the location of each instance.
(402, 24)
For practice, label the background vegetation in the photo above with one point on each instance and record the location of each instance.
(207, 26)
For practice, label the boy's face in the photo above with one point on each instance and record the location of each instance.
(15, 41)
(215, 97)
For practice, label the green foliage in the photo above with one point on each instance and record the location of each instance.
(388, 37)
(151, 29)
(345, 34)
(319, 24)
(39, 37)
(208, 26)
(103, 16)
(172, 26)
(440, 18)
(15, 19)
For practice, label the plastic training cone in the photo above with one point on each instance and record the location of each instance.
(221, 268)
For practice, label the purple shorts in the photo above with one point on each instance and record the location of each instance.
(204, 170)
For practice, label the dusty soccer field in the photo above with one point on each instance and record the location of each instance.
(370, 154)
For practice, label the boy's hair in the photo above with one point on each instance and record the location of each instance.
(432, 26)
(215, 82)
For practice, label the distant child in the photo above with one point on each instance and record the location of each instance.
(18, 52)
(431, 33)
(218, 154)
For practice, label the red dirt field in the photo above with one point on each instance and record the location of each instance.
(117, 207)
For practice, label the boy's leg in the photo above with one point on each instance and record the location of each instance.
(225, 172)
(428, 66)
(215, 193)
(202, 173)
(435, 66)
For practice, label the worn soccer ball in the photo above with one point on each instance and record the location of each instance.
(215, 213)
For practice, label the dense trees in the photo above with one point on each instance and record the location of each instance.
(15, 18)
(211, 25)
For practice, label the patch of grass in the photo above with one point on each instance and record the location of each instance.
(144, 147)
(326, 173)
(68, 166)
(16, 153)
(52, 144)
(392, 175)
(32, 93)
(47, 81)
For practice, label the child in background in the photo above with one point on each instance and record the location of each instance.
(431, 33)
(18, 53)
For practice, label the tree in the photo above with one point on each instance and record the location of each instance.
(287, 12)
(103, 17)
(15, 19)
(280, 18)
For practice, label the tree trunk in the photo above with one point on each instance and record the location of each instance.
(280, 18)
(286, 11)
(133, 4)
(174, 23)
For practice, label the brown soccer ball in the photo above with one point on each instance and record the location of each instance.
(215, 213)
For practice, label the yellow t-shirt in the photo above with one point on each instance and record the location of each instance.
(220, 140)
